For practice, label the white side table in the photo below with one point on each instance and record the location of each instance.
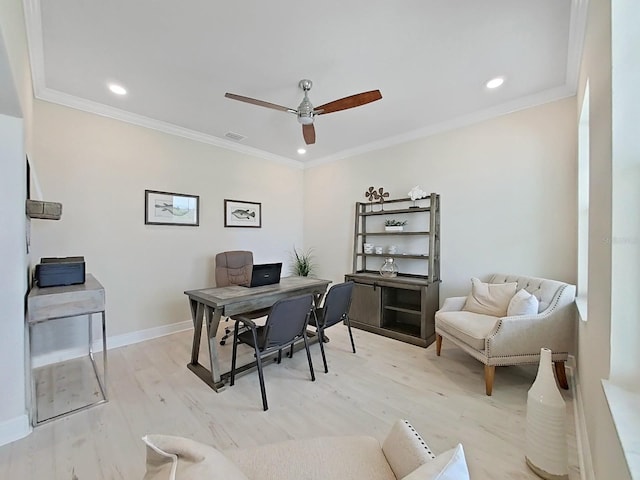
(52, 303)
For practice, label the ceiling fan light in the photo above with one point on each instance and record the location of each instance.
(305, 119)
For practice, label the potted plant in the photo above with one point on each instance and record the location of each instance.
(302, 262)
(394, 225)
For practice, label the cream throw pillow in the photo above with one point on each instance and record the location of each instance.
(523, 303)
(177, 458)
(489, 298)
(450, 465)
(404, 449)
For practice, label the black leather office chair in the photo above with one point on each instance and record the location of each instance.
(334, 310)
(234, 268)
(286, 324)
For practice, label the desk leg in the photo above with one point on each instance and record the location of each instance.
(102, 383)
(104, 353)
(213, 320)
(197, 309)
(198, 312)
(32, 378)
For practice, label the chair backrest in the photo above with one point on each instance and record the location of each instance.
(550, 293)
(233, 268)
(336, 304)
(287, 320)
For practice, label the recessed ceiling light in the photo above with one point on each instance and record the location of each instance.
(302, 151)
(495, 82)
(117, 89)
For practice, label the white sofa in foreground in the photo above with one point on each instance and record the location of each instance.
(403, 455)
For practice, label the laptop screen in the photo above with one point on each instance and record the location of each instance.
(265, 274)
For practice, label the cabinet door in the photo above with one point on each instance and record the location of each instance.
(365, 304)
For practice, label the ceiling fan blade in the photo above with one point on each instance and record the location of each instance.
(349, 102)
(309, 134)
(260, 103)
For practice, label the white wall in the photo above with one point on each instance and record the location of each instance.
(508, 196)
(99, 168)
(15, 125)
(13, 281)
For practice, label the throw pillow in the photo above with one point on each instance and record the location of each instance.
(171, 458)
(523, 303)
(450, 465)
(489, 298)
(404, 449)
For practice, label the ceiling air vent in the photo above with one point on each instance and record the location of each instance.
(236, 137)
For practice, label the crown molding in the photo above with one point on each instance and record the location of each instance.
(577, 31)
(35, 43)
(72, 101)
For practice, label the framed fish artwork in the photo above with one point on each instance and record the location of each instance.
(242, 214)
(165, 208)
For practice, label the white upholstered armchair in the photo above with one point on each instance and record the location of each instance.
(506, 338)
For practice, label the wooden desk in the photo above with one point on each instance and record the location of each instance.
(213, 303)
(52, 303)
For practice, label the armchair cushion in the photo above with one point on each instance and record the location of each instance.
(471, 328)
(353, 456)
(523, 303)
(490, 298)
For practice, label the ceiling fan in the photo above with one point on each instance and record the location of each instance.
(306, 111)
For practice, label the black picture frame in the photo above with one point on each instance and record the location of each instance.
(167, 208)
(242, 214)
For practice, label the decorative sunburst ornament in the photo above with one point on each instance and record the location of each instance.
(371, 194)
(382, 195)
(379, 195)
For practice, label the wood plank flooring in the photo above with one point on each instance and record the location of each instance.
(151, 391)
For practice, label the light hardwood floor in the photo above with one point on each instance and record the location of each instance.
(151, 391)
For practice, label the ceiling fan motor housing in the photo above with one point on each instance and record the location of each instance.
(305, 111)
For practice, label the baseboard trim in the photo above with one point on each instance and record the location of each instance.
(114, 341)
(582, 439)
(147, 334)
(14, 429)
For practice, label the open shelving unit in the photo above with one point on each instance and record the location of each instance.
(401, 307)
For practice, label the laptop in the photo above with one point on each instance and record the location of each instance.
(265, 274)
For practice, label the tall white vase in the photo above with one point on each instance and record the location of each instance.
(546, 448)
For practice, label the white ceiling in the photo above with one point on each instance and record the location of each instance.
(429, 58)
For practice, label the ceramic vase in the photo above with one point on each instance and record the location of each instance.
(546, 446)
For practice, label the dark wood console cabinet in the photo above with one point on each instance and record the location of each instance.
(401, 307)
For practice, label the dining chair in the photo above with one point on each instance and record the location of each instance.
(334, 310)
(286, 324)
